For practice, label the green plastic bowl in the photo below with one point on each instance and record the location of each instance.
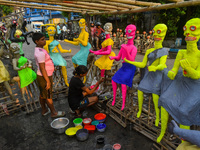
(78, 121)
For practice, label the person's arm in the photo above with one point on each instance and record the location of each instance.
(87, 91)
(192, 136)
(44, 74)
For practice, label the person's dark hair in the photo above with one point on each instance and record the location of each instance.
(37, 36)
(81, 69)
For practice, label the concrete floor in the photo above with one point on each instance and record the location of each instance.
(33, 132)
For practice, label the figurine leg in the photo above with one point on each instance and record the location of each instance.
(114, 85)
(124, 89)
(102, 73)
(155, 101)
(6, 84)
(140, 102)
(64, 72)
(75, 65)
(164, 121)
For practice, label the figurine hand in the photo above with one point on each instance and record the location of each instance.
(172, 127)
(185, 64)
(91, 51)
(75, 39)
(66, 40)
(152, 68)
(69, 51)
(111, 58)
(171, 74)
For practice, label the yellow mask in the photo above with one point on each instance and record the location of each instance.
(159, 32)
(82, 23)
(51, 31)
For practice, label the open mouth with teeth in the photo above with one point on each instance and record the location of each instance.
(190, 38)
(157, 39)
(129, 37)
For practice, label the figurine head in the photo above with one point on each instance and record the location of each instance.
(130, 31)
(14, 48)
(138, 38)
(192, 30)
(159, 32)
(18, 33)
(137, 32)
(51, 31)
(114, 34)
(120, 30)
(150, 32)
(148, 37)
(144, 32)
(108, 28)
(82, 23)
(125, 35)
(117, 29)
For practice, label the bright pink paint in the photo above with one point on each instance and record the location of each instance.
(129, 52)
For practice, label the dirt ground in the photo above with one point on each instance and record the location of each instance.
(20, 131)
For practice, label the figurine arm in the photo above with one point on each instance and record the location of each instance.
(84, 42)
(118, 57)
(161, 65)
(63, 50)
(101, 52)
(139, 64)
(14, 61)
(191, 72)
(192, 136)
(72, 42)
(173, 72)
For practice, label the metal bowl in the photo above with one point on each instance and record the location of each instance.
(82, 134)
(59, 125)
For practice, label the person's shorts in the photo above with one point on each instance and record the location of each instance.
(42, 84)
(84, 103)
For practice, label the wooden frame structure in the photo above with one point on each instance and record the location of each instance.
(99, 7)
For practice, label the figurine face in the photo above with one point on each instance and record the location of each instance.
(51, 31)
(14, 48)
(18, 33)
(159, 32)
(137, 32)
(117, 29)
(130, 31)
(108, 28)
(192, 30)
(82, 23)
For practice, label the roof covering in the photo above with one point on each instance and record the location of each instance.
(99, 7)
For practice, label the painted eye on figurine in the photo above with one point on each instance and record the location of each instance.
(80, 22)
(54, 30)
(153, 31)
(158, 31)
(193, 28)
(50, 30)
(184, 28)
(129, 31)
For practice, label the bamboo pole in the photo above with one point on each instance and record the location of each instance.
(60, 8)
(151, 8)
(122, 1)
(99, 5)
(119, 4)
(69, 5)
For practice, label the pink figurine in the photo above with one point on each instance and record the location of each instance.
(104, 63)
(125, 74)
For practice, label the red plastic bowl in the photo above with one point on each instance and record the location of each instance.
(100, 117)
(90, 128)
(87, 121)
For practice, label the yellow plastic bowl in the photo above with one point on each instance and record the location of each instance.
(71, 131)
(79, 127)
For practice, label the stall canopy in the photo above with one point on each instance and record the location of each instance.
(99, 7)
